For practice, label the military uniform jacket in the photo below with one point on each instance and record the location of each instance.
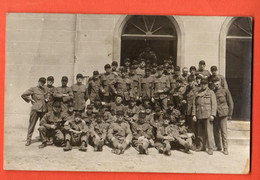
(204, 73)
(142, 130)
(224, 102)
(204, 104)
(50, 90)
(172, 84)
(52, 119)
(189, 96)
(39, 95)
(123, 86)
(170, 130)
(58, 92)
(161, 86)
(140, 72)
(107, 83)
(77, 126)
(132, 113)
(145, 88)
(118, 107)
(99, 129)
(80, 96)
(94, 87)
(88, 118)
(135, 83)
(120, 131)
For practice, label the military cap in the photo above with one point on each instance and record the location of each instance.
(56, 104)
(198, 77)
(50, 78)
(114, 63)
(107, 66)
(119, 113)
(193, 68)
(64, 78)
(127, 59)
(42, 79)
(142, 112)
(78, 114)
(166, 116)
(215, 79)
(190, 79)
(213, 68)
(204, 81)
(119, 95)
(202, 62)
(177, 68)
(79, 76)
(135, 62)
(95, 73)
(179, 80)
(90, 106)
(159, 68)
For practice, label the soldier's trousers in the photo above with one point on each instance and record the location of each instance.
(192, 128)
(34, 116)
(76, 140)
(162, 103)
(220, 129)
(205, 133)
(58, 137)
(96, 141)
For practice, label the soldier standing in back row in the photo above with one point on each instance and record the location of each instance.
(160, 89)
(63, 94)
(204, 111)
(201, 71)
(94, 87)
(37, 96)
(50, 89)
(107, 84)
(80, 94)
(146, 84)
(135, 82)
(224, 112)
(214, 71)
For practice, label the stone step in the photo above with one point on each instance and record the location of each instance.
(239, 132)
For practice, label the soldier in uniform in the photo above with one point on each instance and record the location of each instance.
(50, 89)
(185, 74)
(148, 54)
(177, 74)
(154, 70)
(160, 89)
(193, 71)
(201, 71)
(123, 86)
(94, 87)
(98, 132)
(80, 94)
(127, 65)
(88, 117)
(118, 104)
(146, 84)
(178, 93)
(224, 112)
(214, 71)
(142, 134)
(141, 69)
(107, 84)
(76, 133)
(51, 126)
(37, 96)
(204, 111)
(119, 134)
(63, 94)
(114, 66)
(135, 83)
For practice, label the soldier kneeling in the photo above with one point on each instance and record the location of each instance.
(76, 133)
(119, 134)
(98, 132)
(50, 126)
(142, 134)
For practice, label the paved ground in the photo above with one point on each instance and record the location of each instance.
(19, 157)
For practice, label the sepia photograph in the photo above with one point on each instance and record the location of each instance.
(128, 93)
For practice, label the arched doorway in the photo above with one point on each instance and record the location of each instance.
(239, 65)
(156, 32)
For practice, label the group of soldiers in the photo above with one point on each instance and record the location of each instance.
(138, 104)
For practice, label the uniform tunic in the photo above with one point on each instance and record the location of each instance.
(58, 92)
(80, 96)
(94, 87)
(120, 131)
(145, 89)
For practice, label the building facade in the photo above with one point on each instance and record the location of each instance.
(66, 44)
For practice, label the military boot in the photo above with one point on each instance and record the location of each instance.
(67, 147)
(43, 145)
(28, 142)
(225, 151)
(210, 151)
(83, 147)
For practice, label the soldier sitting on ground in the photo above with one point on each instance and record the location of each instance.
(142, 134)
(119, 134)
(76, 133)
(50, 126)
(98, 132)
